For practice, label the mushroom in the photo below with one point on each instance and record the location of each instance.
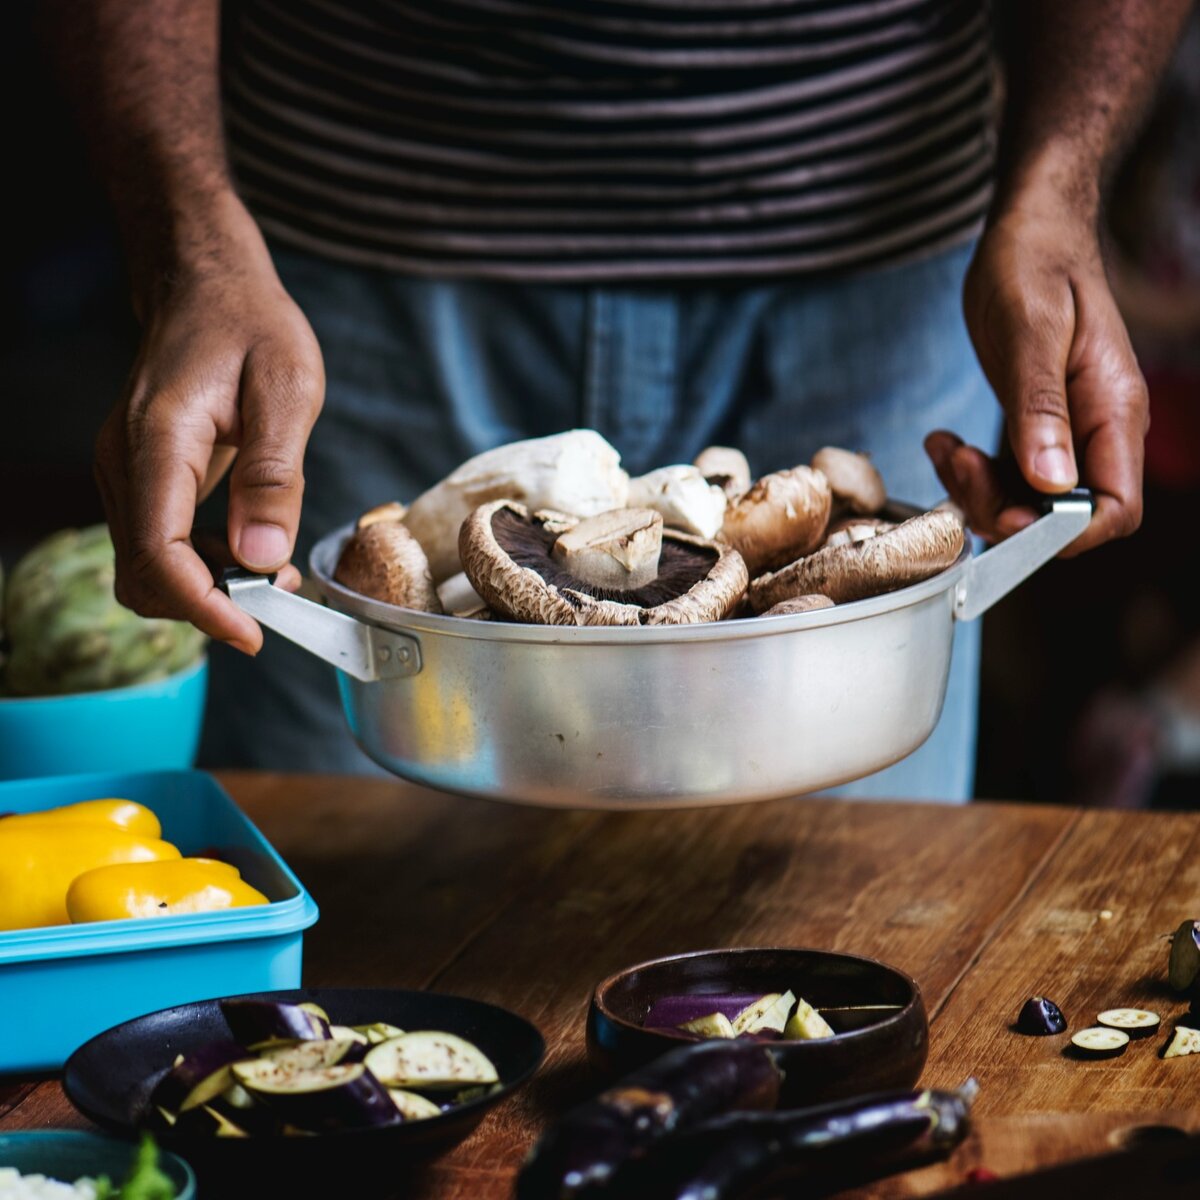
(393, 510)
(856, 485)
(459, 598)
(617, 550)
(920, 547)
(725, 467)
(849, 530)
(577, 472)
(683, 496)
(780, 518)
(800, 604)
(384, 561)
(509, 557)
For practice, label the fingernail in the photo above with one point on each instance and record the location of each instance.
(262, 547)
(1054, 465)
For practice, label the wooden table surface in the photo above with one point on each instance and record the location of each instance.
(984, 905)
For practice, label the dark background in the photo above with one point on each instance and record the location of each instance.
(1079, 637)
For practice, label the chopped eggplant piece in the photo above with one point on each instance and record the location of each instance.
(579, 1156)
(673, 1012)
(771, 1012)
(1184, 966)
(1184, 1041)
(259, 1023)
(308, 1056)
(1040, 1017)
(315, 1009)
(429, 1059)
(244, 1111)
(1099, 1041)
(379, 1031)
(413, 1107)
(346, 1096)
(1136, 1022)
(715, 1025)
(806, 1023)
(347, 1033)
(197, 1077)
(208, 1121)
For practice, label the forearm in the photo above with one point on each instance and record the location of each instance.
(143, 77)
(1080, 75)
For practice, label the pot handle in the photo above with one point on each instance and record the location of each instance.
(368, 652)
(998, 570)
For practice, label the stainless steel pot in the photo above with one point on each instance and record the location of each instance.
(649, 717)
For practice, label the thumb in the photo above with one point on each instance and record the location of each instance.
(280, 397)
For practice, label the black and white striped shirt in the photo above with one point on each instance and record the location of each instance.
(592, 140)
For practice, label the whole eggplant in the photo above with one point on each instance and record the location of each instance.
(579, 1155)
(824, 1149)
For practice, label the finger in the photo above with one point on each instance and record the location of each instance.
(221, 461)
(281, 393)
(972, 480)
(170, 443)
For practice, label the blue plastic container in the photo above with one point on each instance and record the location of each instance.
(148, 727)
(62, 984)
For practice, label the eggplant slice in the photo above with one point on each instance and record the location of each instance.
(430, 1059)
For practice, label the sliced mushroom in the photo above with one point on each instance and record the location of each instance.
(384, 561)
(459, 598)
(618, 549)
(920, 547)
(576, 472)
(780, 518)
(725, 467)
(800, 604)
(392, 511)
(857, 486)
(683, 496)
(850, 530)
(508, 555)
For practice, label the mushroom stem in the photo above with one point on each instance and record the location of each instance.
(617, 550)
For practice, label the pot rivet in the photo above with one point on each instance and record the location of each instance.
(385, 653)
(403, 654)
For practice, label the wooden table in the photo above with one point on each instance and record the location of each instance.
(985, 905)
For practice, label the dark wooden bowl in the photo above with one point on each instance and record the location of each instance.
(874, 1048)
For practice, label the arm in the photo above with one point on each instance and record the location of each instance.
(1037, 303)
(227, 363)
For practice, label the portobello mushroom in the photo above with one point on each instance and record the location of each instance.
(509, 556)
(780, 518)
(384, 561)
(682, 497)
(726, 468)
(854, 480)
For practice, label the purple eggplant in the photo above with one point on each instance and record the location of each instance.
(346, 1096)
(259, 1023)
(807, 1151)
(669, 1012)
(197, 1077)
(1184, 966)
(1040, 1017)
(578, 1157)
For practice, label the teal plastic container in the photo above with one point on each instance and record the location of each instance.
(62, 984)
(151, 726)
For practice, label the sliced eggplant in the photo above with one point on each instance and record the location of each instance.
(413, 1107)
(673, 1012)
(1040, 1016)
(243, 1110)
(770, 1012)
(1184, 966)
(309, 1056)
(1184, 1041)
(1099, 1041)
(259, 1023)
(806, 1024)
(579, 1156)
(715, 1025)
(429, 1059)
(197, 1077)
(208, 1121)
(378, 1031)
(1137, 1022)
(346, 1096)
(315, 1009)
(347, 1033)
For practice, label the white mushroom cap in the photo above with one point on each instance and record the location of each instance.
(684, 498)
(576, 472)
(393, 510)
(726, 467)
(780, 518)
(384, 561)
(920, 547)
(856, 484)
(508, 557)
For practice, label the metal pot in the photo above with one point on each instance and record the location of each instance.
(643, 717)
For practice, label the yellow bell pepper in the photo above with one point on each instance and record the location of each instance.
(38, 863)
(158, 889)
(123, 814)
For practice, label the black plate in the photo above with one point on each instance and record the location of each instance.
(108, 1080)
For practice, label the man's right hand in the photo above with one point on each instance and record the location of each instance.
(228, 366)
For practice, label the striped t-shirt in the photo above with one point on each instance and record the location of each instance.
(592, 140)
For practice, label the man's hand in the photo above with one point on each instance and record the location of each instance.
(1055, 350)
(227, 366)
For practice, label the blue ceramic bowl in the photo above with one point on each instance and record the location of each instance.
(68, 1154)
(148, 727)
